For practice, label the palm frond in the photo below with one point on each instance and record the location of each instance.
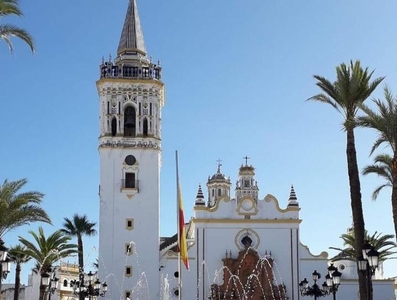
(350, 89)
(7, 31)
(9, 7)
(383, 243)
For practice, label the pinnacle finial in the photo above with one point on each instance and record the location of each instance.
(292, 195)
(131, 39)
(200, 196)
(293, 200)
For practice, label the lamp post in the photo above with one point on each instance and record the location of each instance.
(368, 263)
(333, 280)
(94, 288)
(5, 263)
(50, 282)
(331, 284)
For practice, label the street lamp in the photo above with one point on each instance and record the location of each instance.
(368, 263)
(5, 262)
(50, 282)
(94, 288)
(329, 286)
(333, 280)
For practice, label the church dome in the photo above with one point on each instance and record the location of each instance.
(218, 177)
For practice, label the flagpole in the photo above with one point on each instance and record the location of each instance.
(178, 222)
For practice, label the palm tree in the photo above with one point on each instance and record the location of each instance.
(78, 227)
(7, 8)
(351, 88)
(382, 243)
(383, 168)
(19, 257)
(17, 209)
(46, 251)
(384, 121)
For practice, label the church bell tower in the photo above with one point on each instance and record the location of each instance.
(131, 96)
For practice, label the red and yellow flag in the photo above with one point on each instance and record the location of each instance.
(182, 230)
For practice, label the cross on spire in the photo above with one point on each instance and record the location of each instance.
(246, 160)
(219, 165)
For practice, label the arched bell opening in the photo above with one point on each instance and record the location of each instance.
(130, 122)
(114, 126)
(145, 127)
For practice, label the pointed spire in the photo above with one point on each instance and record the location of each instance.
(131, 39)
(293, 200)
(200, 196)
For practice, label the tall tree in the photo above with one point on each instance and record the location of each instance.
(382, 167)
(350, 89)
(384, 121)
(7, 31)
(78, 227)
(381, 242)
(46, 251)
(19, 208)
(19, 257)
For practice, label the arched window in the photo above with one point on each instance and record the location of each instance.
(114, 126)
(219, 192)
(65, 283)
(130, 121)
(145, 127)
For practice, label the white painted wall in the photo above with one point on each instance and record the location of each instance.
(140, 204)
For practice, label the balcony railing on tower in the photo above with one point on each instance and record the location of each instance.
(109, 70)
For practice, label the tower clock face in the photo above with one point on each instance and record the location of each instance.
(130, 160)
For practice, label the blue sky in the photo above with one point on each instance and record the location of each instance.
(237, 75)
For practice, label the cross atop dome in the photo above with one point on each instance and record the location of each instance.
(246, 159)
(219, 165)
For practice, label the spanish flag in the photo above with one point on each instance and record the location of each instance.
(182, 243)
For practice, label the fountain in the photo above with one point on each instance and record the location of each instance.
(248, 276)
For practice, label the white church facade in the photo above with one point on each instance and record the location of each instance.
(239, 245)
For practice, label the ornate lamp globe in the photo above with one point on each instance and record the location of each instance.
(373, 258)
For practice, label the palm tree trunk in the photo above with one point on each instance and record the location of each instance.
(394, 192)
(356, 206)
(81, 259)
(17, 280)
(80, 249)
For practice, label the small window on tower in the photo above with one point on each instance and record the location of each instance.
(130, 160)
(145, 127)
(219, 192)
(127, 295)
(129, 180)
(128, 271)
(114, 126)
(130, 224)
(129, 248)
